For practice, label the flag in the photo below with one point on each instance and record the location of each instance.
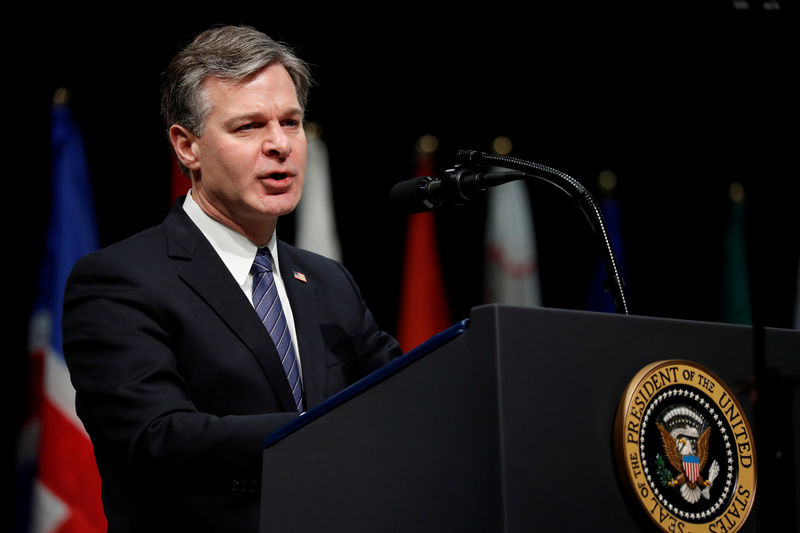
(735, 278)
(316, 219)
(512, 270)
(424, 309)
(65, 492)
(179, 183)
(797, 300)
(598, 298)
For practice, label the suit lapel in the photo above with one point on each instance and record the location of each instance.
(207, 275)
(303, 297)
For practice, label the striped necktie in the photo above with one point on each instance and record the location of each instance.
(268, 307)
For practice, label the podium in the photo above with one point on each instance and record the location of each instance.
(503, 423)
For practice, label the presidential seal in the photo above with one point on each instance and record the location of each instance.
(684, 449)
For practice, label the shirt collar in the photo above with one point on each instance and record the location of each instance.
(235, 250)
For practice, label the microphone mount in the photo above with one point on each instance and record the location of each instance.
(458, 186)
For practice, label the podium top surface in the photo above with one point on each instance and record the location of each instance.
(369, 381)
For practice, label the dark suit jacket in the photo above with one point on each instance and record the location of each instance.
(178, 383)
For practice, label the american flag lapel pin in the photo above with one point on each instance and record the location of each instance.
(299, 276)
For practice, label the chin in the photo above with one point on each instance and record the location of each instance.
(279, 207)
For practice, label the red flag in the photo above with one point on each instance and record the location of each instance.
(424, 310)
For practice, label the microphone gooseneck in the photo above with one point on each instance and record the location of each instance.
(575, 190)
(474, 173)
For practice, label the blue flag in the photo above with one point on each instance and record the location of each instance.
(72, 232)
(598, 298)
(55, 451)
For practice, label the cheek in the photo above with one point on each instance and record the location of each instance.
(300, 151)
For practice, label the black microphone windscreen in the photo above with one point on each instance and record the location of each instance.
(412, 196)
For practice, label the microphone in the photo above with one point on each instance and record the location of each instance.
(464, 183)
(457, 186)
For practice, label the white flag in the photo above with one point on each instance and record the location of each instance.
(512, 270)
(316, 221)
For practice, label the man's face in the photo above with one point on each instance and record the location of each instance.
(251, 157)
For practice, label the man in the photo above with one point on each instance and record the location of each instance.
(178, 381)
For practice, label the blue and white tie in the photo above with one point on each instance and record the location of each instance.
(268, 307)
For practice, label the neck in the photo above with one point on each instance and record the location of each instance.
(258, 231)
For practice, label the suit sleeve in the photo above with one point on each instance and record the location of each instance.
(375, 347)
(120, 346)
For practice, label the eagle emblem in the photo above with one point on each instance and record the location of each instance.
(677, 453)
(685, 436)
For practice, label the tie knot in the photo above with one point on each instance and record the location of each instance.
(263, 261)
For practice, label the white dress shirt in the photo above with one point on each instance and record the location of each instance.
(238, 254)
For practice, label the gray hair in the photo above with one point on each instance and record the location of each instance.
(230, 53)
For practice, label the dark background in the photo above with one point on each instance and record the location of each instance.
(679, 100)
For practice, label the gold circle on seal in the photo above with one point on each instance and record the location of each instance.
(648, 482)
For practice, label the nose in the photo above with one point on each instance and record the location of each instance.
(276, 142)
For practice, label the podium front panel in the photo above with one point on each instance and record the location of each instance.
(562, 374)
(417, 452)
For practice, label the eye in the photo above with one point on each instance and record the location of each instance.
(250, 126)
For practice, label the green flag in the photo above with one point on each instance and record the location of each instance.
(736, 307)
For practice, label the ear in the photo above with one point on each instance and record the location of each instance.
(185, 146)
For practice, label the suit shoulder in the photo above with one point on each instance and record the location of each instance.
(311, 263)
(133, 250)
(154, 242)
(306, 257)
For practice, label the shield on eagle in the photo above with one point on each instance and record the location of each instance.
(691, 465)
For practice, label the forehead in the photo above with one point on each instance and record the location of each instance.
(271, 87)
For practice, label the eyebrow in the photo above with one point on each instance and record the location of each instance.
(256, 115)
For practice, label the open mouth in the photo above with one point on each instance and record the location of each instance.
(277, 176)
